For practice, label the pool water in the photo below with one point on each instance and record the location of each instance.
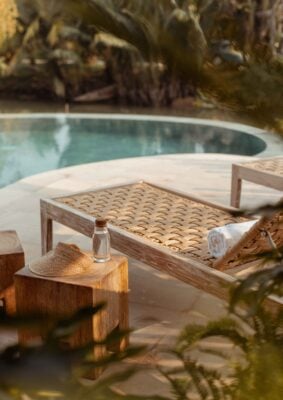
(32, 145)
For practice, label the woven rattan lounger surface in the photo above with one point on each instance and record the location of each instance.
(159, 226)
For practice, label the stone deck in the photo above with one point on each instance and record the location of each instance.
(159, 304)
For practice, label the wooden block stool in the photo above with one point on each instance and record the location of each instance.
(62, 296)
(11, 260)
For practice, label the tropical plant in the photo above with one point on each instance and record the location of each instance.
(253, 367)
(8, 27)
(49, 51)
(147, 65)
(255, 373)
(171, 49)
(152, 53)
(50, 369)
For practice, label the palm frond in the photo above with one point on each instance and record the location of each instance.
(121, 23)
(225, 327)
(254, 289)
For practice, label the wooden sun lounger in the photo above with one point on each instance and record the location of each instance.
(266, 172)
(165, 229)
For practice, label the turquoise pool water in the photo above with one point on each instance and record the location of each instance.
(32, 145)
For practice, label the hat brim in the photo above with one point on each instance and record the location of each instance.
(64, 260)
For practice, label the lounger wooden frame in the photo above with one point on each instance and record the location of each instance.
(190, 264)
(266, 172)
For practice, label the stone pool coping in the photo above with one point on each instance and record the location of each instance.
(274, 142)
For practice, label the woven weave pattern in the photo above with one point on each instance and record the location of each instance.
(164, 218)
(273, 166)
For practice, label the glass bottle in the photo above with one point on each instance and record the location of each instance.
(101, 241)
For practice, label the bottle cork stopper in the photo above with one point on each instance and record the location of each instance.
(100, 222)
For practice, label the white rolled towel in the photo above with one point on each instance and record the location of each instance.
(222, 238)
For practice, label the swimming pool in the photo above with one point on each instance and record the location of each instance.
(30, 144)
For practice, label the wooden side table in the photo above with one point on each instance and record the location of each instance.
(266, 172)
(11, 260)
(64, 296)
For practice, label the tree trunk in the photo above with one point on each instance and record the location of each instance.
(267, 25)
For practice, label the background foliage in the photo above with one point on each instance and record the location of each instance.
(8, 26)
(150, 53)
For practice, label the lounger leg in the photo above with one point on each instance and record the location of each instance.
(46, 232)
(236, 187)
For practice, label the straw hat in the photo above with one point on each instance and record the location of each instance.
(64, 260)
